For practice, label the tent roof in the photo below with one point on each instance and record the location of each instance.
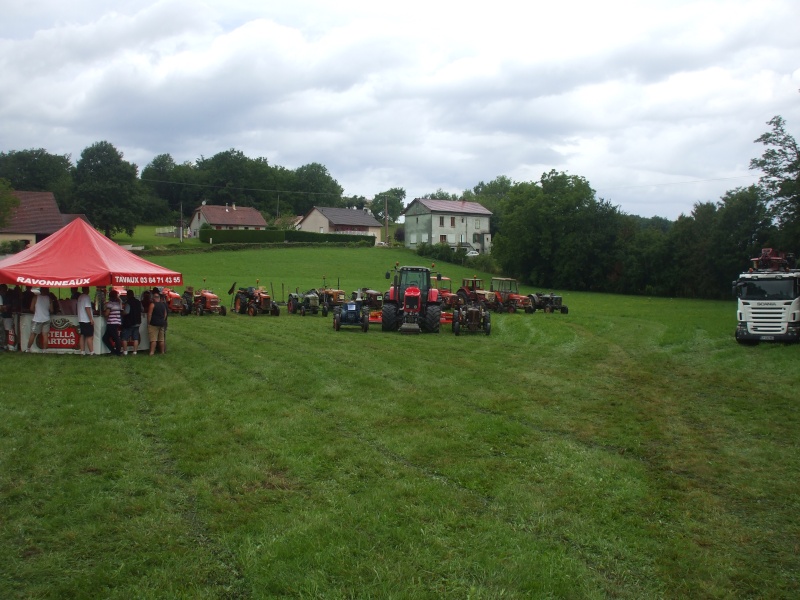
(78, 255)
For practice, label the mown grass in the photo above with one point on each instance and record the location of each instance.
(629, 449)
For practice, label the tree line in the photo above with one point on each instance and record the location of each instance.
(552, 233)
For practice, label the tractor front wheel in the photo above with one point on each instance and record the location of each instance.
(251, 310)
(457, 327)
(487, 324)
(433, 318)
(199, 310)
(324, 310)
(365, 323)
(337, 322)
(389, 320)
(223, 311)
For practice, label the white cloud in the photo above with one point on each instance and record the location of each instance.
(657, 104)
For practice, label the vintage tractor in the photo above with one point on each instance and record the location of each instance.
(303, 303)
(329, 298)
(354, 312)
(412, 303)
(547, 303)
(373, 301)
(472, 318)
(177, 303)
(207, 302)
(254, 301)
(507, 297)
(471, 290)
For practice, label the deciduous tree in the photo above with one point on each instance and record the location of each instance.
(106, 189)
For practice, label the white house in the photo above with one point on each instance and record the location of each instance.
(226, 217)
(321, 219)
(453, 222)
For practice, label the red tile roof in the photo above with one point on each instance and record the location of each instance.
(235, 216)
(37, 213)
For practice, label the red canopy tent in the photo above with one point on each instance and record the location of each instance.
(78, 255)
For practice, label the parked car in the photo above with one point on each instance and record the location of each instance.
(472, 253)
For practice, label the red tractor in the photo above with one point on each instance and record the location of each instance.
(254, 301)
(412, 304)
(207, 302)
(177, 303)
(471, 290)
(507, 296)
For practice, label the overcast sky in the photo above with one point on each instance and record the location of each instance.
(656, 103)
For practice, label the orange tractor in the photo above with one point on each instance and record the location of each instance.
(254, 301)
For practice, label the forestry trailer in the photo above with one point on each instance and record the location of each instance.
(768, 300)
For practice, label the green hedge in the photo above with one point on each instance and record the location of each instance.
(272, 236)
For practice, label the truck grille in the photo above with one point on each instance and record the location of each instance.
(767, 319)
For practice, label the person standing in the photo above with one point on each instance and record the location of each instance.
(41, 307)
(156, 323)
(113, 315)
(85, 322)
(131, 320)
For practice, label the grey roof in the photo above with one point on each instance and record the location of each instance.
(452, 206)
(347, 216)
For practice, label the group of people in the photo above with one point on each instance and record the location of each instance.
(123, 318)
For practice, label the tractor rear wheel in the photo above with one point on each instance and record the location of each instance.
(365, 323)
(199, 310)
(564, 310)
(433, 318)
(487, 324)
(251, 310)
(389, 320)
(290, 306)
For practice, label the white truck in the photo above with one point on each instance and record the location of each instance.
(768, 300)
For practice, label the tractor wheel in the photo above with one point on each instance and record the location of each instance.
(462, 296)
(198, 310)
(433, 318)
(291, 306)
(337, 322)
(487, 324)
(389, 320)
(548, 309)
(564, 310)
(324, 310)
(251, 310)
(456, 318)
(303, 310)
(237, 305)
(365, 323)
(511, 309)
(275, 311)
(456, 327)
(223, 311)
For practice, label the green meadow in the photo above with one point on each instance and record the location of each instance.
(628, 449)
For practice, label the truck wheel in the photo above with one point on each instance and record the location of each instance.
(389, 317)
(433, 318)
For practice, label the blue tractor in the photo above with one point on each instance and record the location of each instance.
(353, 313)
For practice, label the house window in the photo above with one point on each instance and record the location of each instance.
(452, 221)
(443, 239)
(412, 239)
(476, 238)
(477, 223)
(441, 221)
(322, 230)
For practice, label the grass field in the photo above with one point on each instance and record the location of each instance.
(629, 449)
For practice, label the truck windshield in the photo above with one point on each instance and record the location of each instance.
(768, 289)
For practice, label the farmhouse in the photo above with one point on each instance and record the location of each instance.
(226, 217)
(454, 222)
(322, 219)
(36, 217)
